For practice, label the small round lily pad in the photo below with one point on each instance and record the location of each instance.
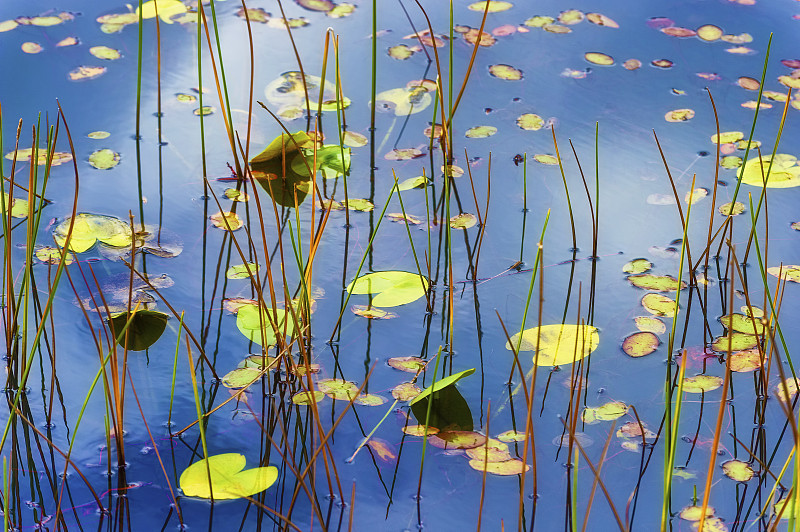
(701, 383)
(640, 344)
(506, 72)
(104, 159)
(738, 470)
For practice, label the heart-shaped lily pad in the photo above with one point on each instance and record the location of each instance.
(391, 288)
(228, 478)
(558, 344)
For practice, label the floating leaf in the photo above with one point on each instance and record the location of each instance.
(51, 255)
(731, 162)
(748, 83)
(393, 287)
(86, 72)
(701, 383)
(228, 479)
(404, 101)
(784, 172)
(104, 159)
(743, 324)
(331, 160)
(511, 436)
(693, 196)
(282, 145)
(506, 72)
(530, 122)
(236, 195)
(400, 217)
(441, 384)
(405, 391)
(787, 272)
(480, 132)
(404, 154)
(369, 399)
(677, 31)
(167, 9)
(558, 344)
(637, 266)
(607, 412)
(242, 271)
(419, 430)
(598, 58)
(545, 159)
(19, 206)
(260, 327)
(661, 283)
(746, 361)
(104, 52)
(372, 313)
(632, 64)
(31, 47)
(407, 364)
(679, 115)
(341, 10)
(640, 344)
(145, 327)
(355, 140)
(695, 513)
(464, 220)
(650, 324)
(89, 228)
(316, 5)
(338, 389)
(734, 341)
(539, 21)
(727, 137)
(8, 25)
(738, 470)
(506, 468)
(491, 451)
(494, 6)
(786, 390)
(241, 377)
(457, 439)
(659, 305)
(308, 397)
(601, 20)
(709, 32)
(228, 221)
(204, 111)
(400, 52)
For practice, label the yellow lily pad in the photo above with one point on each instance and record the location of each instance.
(90, 228)
(391, 288)
(637, 266)
(607, 412)
(480, 132)
(558, 344)
(640, 344)
(661, 283)
(494, 6)
(599, 58)
(785, 172)
(659, 305)
(787, 272)
(701, 383)
(104, 52)
(743, 324)
(746, 361)
(407, 364)
(738, 470)
(307, 397)
(104, 159)
(404, 101)
(506, 72)
(227, 221)
(734, 341)
(406, 391)
(530, 122)
(464, 220)
(338, 389)
(729, 209)
(650, 324)
(228, 478)
(679, 115)
(167, 9)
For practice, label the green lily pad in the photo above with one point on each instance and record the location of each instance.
(242, 271)
(530, 122)
(785, 172)
(413, 182)
(228, 478)
(608, 412)
(738, 470)
(661, 283)
(369, 399)
(506, 72)
(539, 21)
(90, 228)
(742, 324)
(145, 328)
(732, 210)
(166, 10)
(650, 324)
(558, 344)
(480, 132)
(257, 327)
(241, 377)
(456, 439)
(404, 101)
(659, 305)
(464, 220)
(734, 341)
(393, 287)
(727, 138)
(407, 364)
(306, 398)
(787, 272)
(441, 384)
(283, 144)
(98, 135)
(104, 52)
(731, 162)
(637, 266)
(332, 161)
(640, 344)
(338, 389)
(104, 159)
(19, 207)
(546, 159)
(406, 391)
(400, 52)
(701, 383)
(494, 6)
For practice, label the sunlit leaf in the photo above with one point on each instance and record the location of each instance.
(284, 144)
(331, 161)
(661, 283)
(701, 383)
(679, 115)
(731, 162)
(464, 220)
(260, 327)
(441, 384)
(31, 47)
(659, 305)
(743, 324)
(241, 377)
(369, 399)
(403, 154)
(404, 101)
(632, 64)
(557, 344)
(354, 139)
(227, 221)
(166, 10)
(601, 20)
(746, 361)
(787, 272)
(242, 271)
(391, 288)
(695, 513)
(405, 391)
(491, 451)
(316, 5)
(709, 32)
(51, 255)
(403, 218)
(306, 398)
(457, 439)
(539, 21)
(784, 172)
(480, 132)
(511, 436)
(677, 31)
(608, 412)
(545, 159)
(104, 52)
(338, 389)
(104, 159)
(734, 341)
(637, 266)
(205, 110)
(530, 122)
(407, 364)
(341, 10)
(228, 478)
(506, 72)
(372, 313)
(650, 324)
(598, 58)
(89, 228)
(640, 344)
(494, 6)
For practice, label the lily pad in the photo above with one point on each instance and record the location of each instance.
(608, 412)
(659, 305)
(90, 228)
(331, 161)
(86, 72)
(494, 6)
(738, 470)
(784, 173)
(530, 122)
(242, 271)
(661, 283)
(734, 341)
(227, 221)
(404, 101)
(506, 72)
(104, 159)
(457, 439)
(400, 52)
(407, 364)
(640, 344)
(228, 479)
(306, 398)
(650, 324)
(701, 383)
(338, 389)
(601, 20)
(679, 115)
(241, 377)
(787, 272)
(558, 344)
(732, 209)
(392, 287)
(259, 329)
(104, 52)
(145, 328)
(599, 58)
(742, 324)
(709, 32)
(406, 391)
(746, 361)
(480, 132)
(464, 220)
(511, 436)
(637, 266)
(369, 399)
(372, 313)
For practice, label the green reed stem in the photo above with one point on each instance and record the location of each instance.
(199, 409)
(174, 373)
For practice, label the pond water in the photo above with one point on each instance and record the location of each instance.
(604, 82)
